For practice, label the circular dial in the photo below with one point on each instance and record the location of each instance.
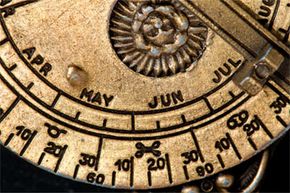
(133, 94)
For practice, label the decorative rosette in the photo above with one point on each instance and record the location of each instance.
(157, 38)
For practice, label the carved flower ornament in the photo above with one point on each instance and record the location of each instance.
(157, 39)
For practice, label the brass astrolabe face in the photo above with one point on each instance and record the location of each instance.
(143, 94)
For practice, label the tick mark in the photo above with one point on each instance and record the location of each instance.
(76, 171)
(282, 121)
(264, 127)
(133, 121)
(185, 170)
(105, 121)
(60, 159)
(99, 154)
(41, 158)
(158, 127)
(234, 146)
(13, 105)
(183, 119)
(77, 115)
(149, 176)
(114, 178)
(132, 172)
(13, 67)
(8, 140)
(232, 94)
(1, 112)
(56, 100)
(197, 145)
(253, 144)
(29, 87)
(4, 41)
(28, 143)
(168, 168)
(208, 104)
(221, 161)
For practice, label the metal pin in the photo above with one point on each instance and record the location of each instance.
(224, 181)
(76, 76)
(207, 186)
(190, 189)
(262, 71)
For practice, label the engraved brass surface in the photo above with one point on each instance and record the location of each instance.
(143, 94)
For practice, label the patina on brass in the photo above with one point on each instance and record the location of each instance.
(144, 94)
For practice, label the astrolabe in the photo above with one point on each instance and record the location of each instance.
(144, 94)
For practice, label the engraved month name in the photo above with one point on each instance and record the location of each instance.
(226, 70)
(38, 60)
(96, 97)
(166, 100)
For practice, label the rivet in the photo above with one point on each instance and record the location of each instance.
(190, 189)
(76, 76)
(262, 71)
(207, 186)
(225, 181)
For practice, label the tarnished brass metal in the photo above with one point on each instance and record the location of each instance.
(145, 94)
(253, 76)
